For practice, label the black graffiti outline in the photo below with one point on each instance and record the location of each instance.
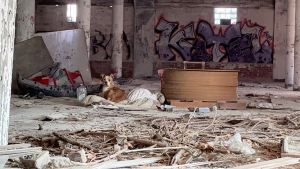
(253, 52)
(97, 44)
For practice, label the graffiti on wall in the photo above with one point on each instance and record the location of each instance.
(239, 42)
(99, 42)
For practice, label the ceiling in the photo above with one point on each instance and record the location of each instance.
(64, 2)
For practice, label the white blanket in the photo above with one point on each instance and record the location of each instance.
(136, 99)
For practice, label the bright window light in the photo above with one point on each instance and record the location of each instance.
(225, 15)
(71, 12)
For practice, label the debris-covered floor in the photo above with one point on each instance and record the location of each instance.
(110, 135)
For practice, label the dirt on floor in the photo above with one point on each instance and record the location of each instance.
(63, 126)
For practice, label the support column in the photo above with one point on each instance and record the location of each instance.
(279, 57)
(297, 48)
(289, 76)
(117, 40)
(25, 27)
(144, 20)
(7, 38)
(84, 20)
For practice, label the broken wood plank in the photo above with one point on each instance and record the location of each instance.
(128, 163)
(147, 142)
(14, 146)
(271, 164)
(153, 149)
(71, 141)
(112, 156)
(232, 106)
(222, 105)
(184, 165)
(141, 141)
(178, 103)
(21, 152)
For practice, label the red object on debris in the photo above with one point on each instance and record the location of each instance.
(73, 75)
(44, 80)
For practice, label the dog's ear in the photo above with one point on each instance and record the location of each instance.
(112, 75)
(102, 76)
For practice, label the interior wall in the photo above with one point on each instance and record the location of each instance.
(247, 44)
(101, 21)
(50, 18)
(184, 33)
(53, 18)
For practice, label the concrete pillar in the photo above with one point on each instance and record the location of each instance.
(144, 20)
(25, 17)
(7, 38)
(279, 57)
(297, 48)
(84, 20)
(289, 76)
(117, 40)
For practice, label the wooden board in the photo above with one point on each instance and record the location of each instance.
(270, 164)
(201, 78)
(178, 103)
(221, 105)
(207, 93)
(232, 106)
(208, 85)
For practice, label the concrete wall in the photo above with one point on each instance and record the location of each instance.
(53, 18)
(146, 28)
(50, 18)
(101, 21)
(189, 33)
(186, 31)
(7, 38)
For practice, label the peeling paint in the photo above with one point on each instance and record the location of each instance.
(84, 21)
(7, 34)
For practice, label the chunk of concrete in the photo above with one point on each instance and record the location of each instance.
(291, 147)
(78, 156)
(36, 161)
(60, 162)
(3, 160)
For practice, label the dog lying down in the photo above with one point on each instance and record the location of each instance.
(110, 91)
(115, 96)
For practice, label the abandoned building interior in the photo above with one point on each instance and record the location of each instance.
(100, 84)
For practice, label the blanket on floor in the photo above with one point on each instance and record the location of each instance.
(138, 99)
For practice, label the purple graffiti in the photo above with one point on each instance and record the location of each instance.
(205, 31)
(177, 41)
(242, 43)
(240, 50)
(199, 52)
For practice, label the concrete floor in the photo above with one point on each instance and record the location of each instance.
(68, 114)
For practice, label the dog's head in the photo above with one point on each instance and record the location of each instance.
(108, 80)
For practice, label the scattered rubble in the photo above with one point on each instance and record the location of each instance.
(172, 139)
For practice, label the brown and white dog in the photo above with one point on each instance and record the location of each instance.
(110, 91)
